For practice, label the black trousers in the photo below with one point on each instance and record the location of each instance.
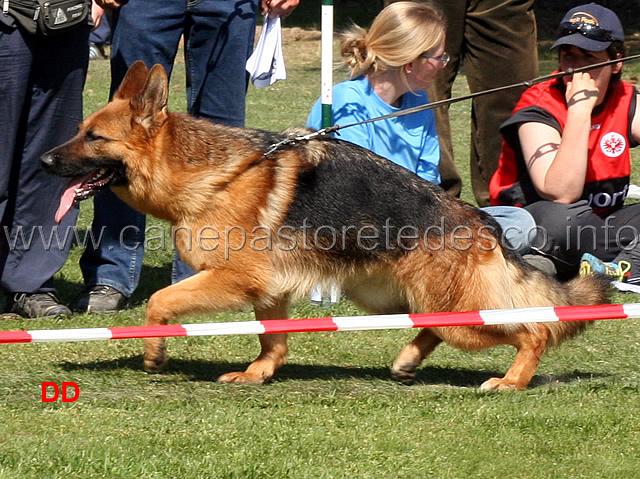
(566, 231)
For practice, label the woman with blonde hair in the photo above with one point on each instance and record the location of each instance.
(390, 65)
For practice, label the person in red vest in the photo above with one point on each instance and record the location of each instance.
(566, 158)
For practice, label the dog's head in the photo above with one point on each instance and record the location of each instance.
(108, 141)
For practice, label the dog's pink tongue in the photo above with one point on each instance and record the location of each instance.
(68, 197)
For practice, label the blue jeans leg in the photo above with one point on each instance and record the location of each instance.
(518, 226)
(141, 30)
(114, 253)
(218, 43)
(218, 40)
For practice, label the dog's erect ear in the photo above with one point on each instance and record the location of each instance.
(150, 105)
(133, 81)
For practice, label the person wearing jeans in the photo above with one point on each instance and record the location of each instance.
(218, 38)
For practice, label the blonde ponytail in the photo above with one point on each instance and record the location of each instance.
(400, 33)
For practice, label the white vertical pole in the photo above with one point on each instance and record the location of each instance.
(326, 69)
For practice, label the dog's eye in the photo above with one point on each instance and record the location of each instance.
(91, 136)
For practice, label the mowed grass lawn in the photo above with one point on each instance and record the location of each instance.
(333, 411)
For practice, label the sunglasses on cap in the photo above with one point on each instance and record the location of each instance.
(591, 32)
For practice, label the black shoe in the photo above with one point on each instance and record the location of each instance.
(100, 299)
(37, 305)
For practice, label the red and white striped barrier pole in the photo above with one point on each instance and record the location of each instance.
(345, 323)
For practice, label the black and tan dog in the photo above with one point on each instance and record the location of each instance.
(261, 229)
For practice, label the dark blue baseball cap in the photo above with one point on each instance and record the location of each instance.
(591, 27)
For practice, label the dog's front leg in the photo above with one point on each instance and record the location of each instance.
(206, 291)
(404, 367)
(273, 353)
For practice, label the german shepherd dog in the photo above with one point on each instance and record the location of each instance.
(277, 222)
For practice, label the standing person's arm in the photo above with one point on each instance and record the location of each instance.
(557, 163)
(110, 4)
(283, 8)
(97, 12)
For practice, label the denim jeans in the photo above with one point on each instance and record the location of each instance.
(518, 226)
(218, 39)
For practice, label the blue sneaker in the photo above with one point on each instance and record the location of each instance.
(589, 264)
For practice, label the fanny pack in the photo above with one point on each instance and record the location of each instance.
(47, 17)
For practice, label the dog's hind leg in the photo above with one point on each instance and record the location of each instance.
(530, 348)
(274, 350)
(404, 367)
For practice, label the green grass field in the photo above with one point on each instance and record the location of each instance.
(333, 411)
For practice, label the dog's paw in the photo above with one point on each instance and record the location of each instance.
(404, 375)
(155, 354)
(242, 378)
(498, 384)
(154, 365)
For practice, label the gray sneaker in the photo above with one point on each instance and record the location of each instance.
(36, 305)
(96, 52)
(542, 263)
(100, 299)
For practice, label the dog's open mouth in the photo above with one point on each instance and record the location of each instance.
(81, 188)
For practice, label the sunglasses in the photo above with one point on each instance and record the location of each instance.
(592, 32)
(444, 58)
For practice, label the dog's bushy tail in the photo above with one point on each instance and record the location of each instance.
(579, 291)
(586, 290)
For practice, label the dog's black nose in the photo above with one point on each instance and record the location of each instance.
(46, 160)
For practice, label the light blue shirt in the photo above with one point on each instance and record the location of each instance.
(410, 141)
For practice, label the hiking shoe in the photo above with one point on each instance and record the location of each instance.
(37, 305)
(100, 299)
(589, 264)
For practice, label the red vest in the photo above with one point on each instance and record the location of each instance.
(609, 158)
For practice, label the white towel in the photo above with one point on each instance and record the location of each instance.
(266, 63)
(634, 192)
(626, 287)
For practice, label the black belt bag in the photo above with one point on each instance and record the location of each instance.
(47, 17)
